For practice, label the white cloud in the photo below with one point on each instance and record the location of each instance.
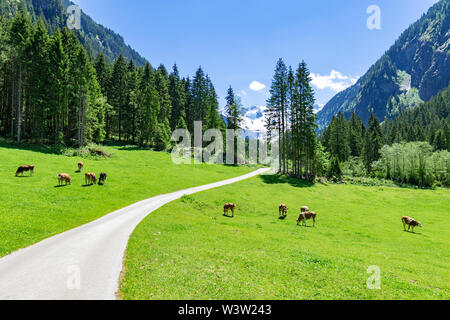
(257, 86)
(335, 81)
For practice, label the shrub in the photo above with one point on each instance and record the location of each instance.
(91, 150)
(334, 168)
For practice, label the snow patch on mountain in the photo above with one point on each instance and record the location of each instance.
(253, 120)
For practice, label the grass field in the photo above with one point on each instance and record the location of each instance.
(188, 250)
(33, 208)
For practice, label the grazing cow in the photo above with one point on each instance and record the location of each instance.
(102, 178)
(227, 207)
(411, 223)
(306, 216)
(64, 178)
(25, 168)
(80, 166)
(282, 210)
(90, 178)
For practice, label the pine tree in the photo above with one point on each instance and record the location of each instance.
(233, 111)
(178, 99)
(277, 109)
(38, 82)
(58, 66)
(338, 138)
(373, 143)
(20, 41)
(213, 118)
(118, 95)
(103, 73)
(198, 105)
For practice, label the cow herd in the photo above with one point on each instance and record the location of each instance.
(64, 179)
(306, 214)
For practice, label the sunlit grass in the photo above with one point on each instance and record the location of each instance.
(188, 250)
(33, 208)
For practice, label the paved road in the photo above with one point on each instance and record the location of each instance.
(85, 262)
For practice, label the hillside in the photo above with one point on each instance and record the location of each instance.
(413, 70)
(94, 37)
(430, 122)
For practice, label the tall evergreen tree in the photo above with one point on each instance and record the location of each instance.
(178, 99)
(277, 108)
(118, 96)
(20, 41)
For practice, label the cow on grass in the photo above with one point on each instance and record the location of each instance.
(90, 178)
(64, 178)
(25, 168)
(227, 207)
(102, 178)
(307, 215)
(282, 211)
(411, 223)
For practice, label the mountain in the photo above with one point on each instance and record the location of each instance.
(94, 37)
(412, 71)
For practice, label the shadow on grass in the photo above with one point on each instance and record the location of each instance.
(62, 185)
(134, 148)
(412, 232)
(277, 179)
(29, 147)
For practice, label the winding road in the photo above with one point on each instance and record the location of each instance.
(84, 263)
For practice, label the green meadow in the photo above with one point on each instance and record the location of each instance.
(189, 250)
(35, 208)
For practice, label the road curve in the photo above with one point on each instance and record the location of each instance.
(83, 263)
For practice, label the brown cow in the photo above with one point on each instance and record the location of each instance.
(25, 168)
(90, 178)
(80, 166)
(410, 222)
(227, 207)
(64, 178)
(282, 210)
(306, 216)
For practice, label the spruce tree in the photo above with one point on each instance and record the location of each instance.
(118, 96)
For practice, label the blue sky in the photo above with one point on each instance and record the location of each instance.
(237, 42)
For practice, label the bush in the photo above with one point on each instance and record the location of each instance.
(354, 167)
(89, 151)
(334, 168)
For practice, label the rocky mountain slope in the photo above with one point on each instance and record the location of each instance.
(414, 69)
